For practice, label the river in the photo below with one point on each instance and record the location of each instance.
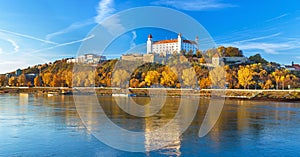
(37, 125)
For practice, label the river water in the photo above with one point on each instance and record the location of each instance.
(37, 125)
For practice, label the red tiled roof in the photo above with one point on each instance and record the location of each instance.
(166, 41)
(174, 41)
(189, 41)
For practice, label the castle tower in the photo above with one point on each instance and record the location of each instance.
(179, 40)
(149, 44)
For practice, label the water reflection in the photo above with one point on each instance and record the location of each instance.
(36, 125)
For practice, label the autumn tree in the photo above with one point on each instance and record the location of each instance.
(37, 81)
(189, 77)
(231, 77)
(13, 81)
(168, 78)
(67, 77)
(245, 76)
(267, 85)
(205, 83)
(218, 77)
(2, 80)
(56, 81)
(22, 80)
(202, 60)
(199, 54)
(277, 75)
(134, 83)
(152, 78)
(120, 77)
(47, 78)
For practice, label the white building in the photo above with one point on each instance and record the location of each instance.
(217, 60)
(171, 46)
(87, 58)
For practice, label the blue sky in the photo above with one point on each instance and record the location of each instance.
(33, 32)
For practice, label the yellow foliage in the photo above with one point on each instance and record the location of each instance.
(245, 76)
(169, 78)
(189, 77)
(151, 78)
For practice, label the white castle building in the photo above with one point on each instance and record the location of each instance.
(171, 46)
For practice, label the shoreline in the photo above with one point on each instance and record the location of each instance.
(242, 94)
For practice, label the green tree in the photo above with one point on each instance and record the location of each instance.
(257, 59)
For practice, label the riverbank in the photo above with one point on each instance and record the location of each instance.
(271, 95)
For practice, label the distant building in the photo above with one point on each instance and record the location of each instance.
(160, 51)
(171, 46)
(217, 60)
(293, 67)
(87, 58)
(18, 72)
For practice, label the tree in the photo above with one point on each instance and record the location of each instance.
(67, 77)
(120, 76)
(13, 81)
(2, 80)
(202, 60)
(245, 76)
(134, 83)
(231, 77)
(47, 78)
(37, 81)
(257, 59)
(205, 83)
(233, 52)
(22, 80)
(56, 81)
(218, 77)
(278, 75)
(152, 77)
(267, 85)
(169, 78)
(199, 54)
(189, 77)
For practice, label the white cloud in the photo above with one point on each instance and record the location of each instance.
(64, 44)
(259, 43)
(271, 48)
(14, 44)
(260, 38)
(1, 50)
(132, 43)
(72, 27)
(298, 57)
(104, 10)
(193, 5)
(277, 17)
(27, 36)
(113, 25)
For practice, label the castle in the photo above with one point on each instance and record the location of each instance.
(166, 47)
(159, 51)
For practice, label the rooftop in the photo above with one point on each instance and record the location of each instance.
(174, 41)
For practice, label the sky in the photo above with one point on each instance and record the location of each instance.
(34, 32)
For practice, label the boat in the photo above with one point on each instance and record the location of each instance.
(50, 94)
(123, 95)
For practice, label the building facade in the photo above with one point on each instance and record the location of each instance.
(87, 59)
(171, 46)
